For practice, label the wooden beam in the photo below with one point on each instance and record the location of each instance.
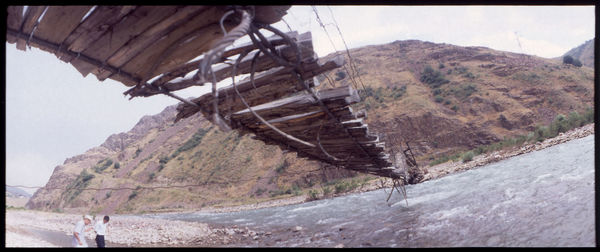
(32, 15)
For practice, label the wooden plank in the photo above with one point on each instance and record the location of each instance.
(199, 31)
(32, 15)
(101, 21)
(95, 25)
(52, 48)
(14, 20)
(155, 33)
(59, 21)
(277, 82)
(264, 62)
(332, 98)
(186, 68)
(130, 26)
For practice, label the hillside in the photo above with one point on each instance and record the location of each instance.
(584, 53)
(444, 98)
(440, 98)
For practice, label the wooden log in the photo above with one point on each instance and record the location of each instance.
(14, 20)
(32, 15)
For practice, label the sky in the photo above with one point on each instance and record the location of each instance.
(53, 112)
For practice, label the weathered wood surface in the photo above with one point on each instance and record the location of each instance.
(31, 17)
(269, 85)
(14, 20)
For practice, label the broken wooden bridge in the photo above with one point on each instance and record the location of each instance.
(274, 93)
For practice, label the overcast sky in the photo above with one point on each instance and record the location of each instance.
(53, 113)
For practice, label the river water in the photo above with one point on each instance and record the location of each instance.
(543, 198)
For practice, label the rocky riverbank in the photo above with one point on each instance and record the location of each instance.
(124, 231)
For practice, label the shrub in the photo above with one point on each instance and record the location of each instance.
(568, 59)
(151, 176)
(137, 152)
(102, 165)
(117, 165)
(132, 195)
(468, 156)
(573, 61)
(281, 168)
(439, 99)
(313, 194)
(433, 77)
(340, 75)
(326, 190)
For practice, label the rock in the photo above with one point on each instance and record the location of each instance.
(297, 229)
(341, 245)
(229, 231)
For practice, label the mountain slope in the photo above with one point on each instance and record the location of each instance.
(440, 98)
(584, 53)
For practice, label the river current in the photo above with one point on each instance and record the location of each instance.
(541, 199)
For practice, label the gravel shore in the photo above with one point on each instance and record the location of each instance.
(125, 231)
(138, 231)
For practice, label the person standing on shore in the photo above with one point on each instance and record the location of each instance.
(79, 232)
(100, 229)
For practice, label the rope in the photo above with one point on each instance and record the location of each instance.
(352, 65)
(355, 84)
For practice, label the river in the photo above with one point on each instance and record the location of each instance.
(539, 199)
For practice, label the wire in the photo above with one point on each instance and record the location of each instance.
(355, 84)
(352, 65)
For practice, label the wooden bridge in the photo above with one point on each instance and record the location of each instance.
(161, 49)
